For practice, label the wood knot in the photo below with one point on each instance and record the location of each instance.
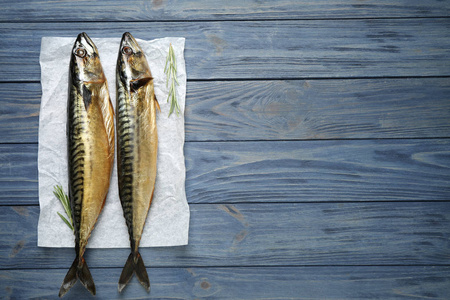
(21, 210)
(240, 236)
(17, 248)
(205, 285)
(157, 3)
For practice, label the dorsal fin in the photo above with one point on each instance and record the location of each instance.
(157, 104)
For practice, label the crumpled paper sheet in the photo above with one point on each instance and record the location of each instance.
(168, 220)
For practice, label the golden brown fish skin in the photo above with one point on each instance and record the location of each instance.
(90, 131)
(137, 145)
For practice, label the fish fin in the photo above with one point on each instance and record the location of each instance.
(127, 272)
(157, 104)
(134, 264)
(85, 277)
(107, 110)
(87, 97)
(78, 270)
(141, 272)
(70, 279)
(138, 83)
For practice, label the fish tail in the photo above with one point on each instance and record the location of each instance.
(70, 279)
(78, 270)
(134, 264)
(85, 277)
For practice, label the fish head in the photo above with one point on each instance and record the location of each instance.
(85, 62)
(131, 63)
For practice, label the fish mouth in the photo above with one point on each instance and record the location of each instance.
(84, 40)
(128, 40)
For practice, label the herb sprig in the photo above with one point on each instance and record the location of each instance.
(64, 199)
(171, 75)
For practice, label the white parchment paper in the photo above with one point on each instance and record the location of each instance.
(168, 220)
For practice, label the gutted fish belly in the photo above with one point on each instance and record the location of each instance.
(137, 145)
(90, 145)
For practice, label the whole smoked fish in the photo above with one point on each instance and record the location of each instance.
(90, 131)
(137, 144)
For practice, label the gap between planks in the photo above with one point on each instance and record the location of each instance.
(243, 266)
(277, 79)
(277, 202)
(282, 140)
(227, 20)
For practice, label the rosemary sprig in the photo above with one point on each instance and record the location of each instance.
(171, 75)
(64, 199)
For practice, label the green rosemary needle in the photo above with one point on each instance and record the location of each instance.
(64, 199)
(171, 75)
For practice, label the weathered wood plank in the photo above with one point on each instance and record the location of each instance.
(263, 235)
(243, 283)
(306, 171)
(140, 10)
(273, 110)
(270, 49)
(19, 112)
(373, 170)
(18, 174)
(318, 109)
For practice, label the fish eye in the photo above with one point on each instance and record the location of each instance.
(80, 52)
(127, 50)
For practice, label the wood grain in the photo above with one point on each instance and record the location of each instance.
(297, 171)
(19, 112)
(274, 110)
(317, 149)
(18, 174)
(177, 10)
(243, 283)
(262, 50)
(301, 234)
(372, 170)
(318, 109)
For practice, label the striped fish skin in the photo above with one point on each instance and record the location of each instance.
(137, 144)
(90, 145)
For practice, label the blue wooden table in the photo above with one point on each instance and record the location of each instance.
(317, 149)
